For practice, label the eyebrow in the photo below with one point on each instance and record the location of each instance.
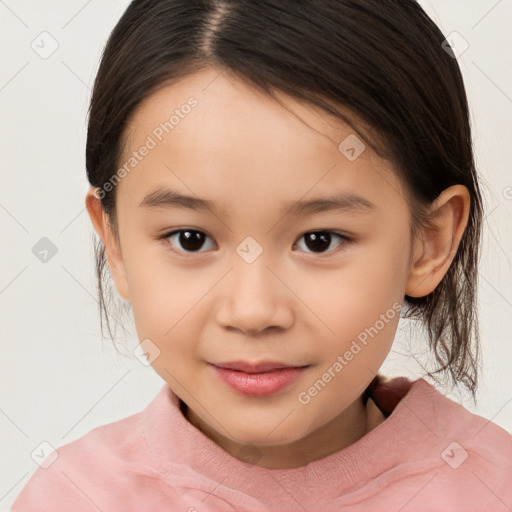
(347, 202)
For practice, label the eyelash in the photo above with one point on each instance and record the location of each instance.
(345, 240)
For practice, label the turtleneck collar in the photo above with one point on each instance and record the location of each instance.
(185, 454)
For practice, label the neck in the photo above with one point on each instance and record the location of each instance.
(349, 426)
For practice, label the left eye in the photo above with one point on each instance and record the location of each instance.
(189, 239)
(319, 241)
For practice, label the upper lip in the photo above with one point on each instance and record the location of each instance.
(248, 367)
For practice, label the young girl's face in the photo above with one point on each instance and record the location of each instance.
(251, 282)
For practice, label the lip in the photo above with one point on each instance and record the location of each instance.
(248, 367)
(257, 379)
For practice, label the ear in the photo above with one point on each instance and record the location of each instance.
(103, 228)
(435, 248)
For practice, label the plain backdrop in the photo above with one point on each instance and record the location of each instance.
(58, 378)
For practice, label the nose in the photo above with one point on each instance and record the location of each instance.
(254, 298)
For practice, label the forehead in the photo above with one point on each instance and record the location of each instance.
(216, 135)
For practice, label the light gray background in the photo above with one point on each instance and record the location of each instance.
(59, 380)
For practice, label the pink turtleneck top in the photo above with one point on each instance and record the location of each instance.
(429, 454)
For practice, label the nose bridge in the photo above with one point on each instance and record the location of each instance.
(251, 278)
(254, 298)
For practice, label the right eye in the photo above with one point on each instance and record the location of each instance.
(190, 240)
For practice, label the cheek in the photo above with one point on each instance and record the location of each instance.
(152, 280)
(166, 304)
(360, 291)
(360, 303)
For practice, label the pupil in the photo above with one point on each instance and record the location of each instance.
(189, 240)
(320, 240)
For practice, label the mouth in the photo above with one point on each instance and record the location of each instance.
(257, 379)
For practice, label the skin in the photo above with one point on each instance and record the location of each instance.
(249, 155)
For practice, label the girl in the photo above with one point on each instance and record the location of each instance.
(275, 184)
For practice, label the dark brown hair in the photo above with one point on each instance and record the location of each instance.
(378, 65)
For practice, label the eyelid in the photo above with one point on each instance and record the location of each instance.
(341, 247)
(168, 234)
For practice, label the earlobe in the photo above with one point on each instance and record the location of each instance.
(103, 228)
(436, 247)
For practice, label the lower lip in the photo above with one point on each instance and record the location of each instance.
(259, 384)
